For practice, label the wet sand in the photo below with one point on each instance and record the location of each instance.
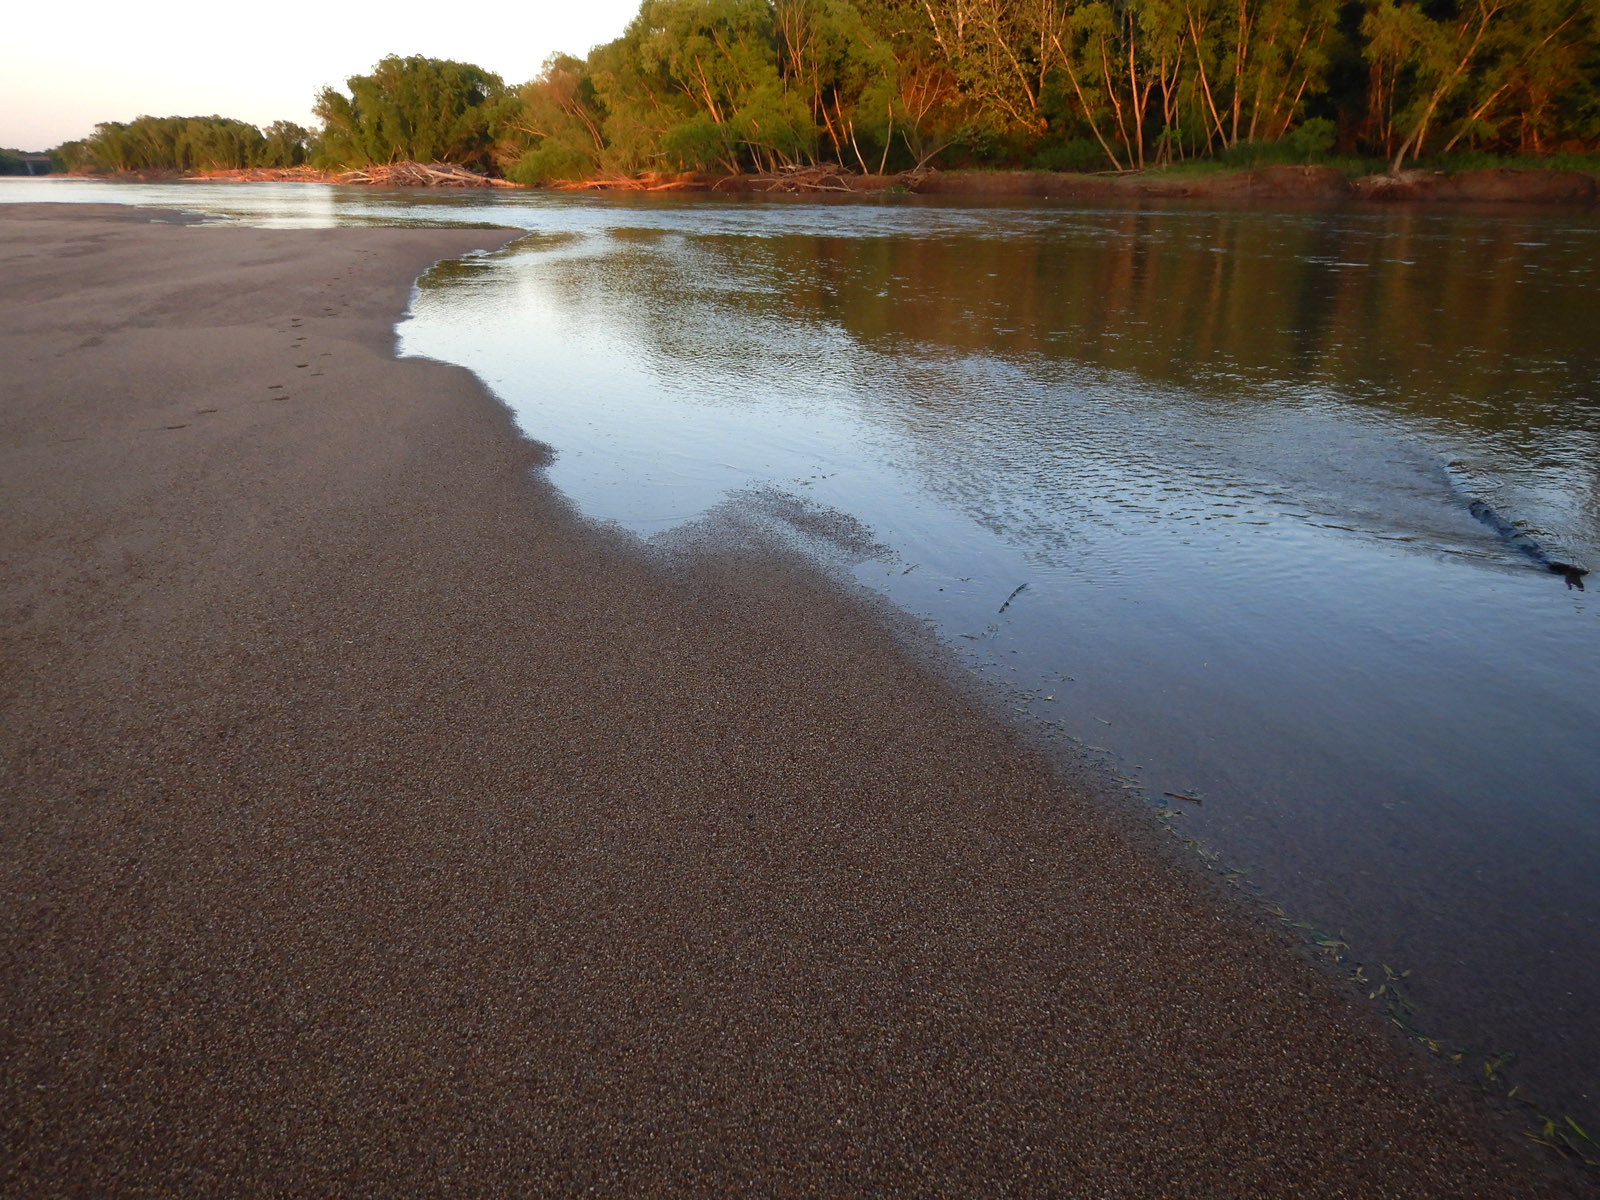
(372, 826)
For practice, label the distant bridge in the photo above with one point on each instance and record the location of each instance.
(36, 164)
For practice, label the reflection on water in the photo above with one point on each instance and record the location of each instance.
(1231, 455)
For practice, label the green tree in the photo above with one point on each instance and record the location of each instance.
(1107, 60)
(166, 144)
(216, 144)
(285, 145)
(917, 94)
(830, 60)
(1256, 62)
(552, 131)
(1437, 61)
(694, 84)
(1537, 59)
(417, 109)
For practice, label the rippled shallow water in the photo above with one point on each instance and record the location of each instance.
(1230, 455)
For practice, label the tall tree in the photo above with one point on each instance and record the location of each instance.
(418, 109)
(166, 144)
(915, 93)
(1444, 57)
(1538, 56)
(286, 145)
(695, 83)
(554, 130)
(1256, 62)
(829, 59)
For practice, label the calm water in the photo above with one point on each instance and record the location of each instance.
(1229, 454)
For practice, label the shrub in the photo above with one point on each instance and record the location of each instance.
(1080, 154)
(1313, 140)
(550, 162)
(697, 144)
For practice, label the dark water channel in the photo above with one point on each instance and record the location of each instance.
(1231, 455)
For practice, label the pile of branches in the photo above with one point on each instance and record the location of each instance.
(822, 177)
(644, 181)
(412, 174)
(799, 178)
(262, 175)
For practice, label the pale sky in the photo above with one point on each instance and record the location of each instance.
(70, 65)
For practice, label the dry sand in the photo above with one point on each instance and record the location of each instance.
(370, 826)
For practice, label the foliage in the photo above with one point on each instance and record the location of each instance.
(551, 129)
(739, 85)
(1075, 84)
(1079, 154)
(549, 163)
(694, 84)
(184, 144)
(416, 109)
(1490, 70)
(287, 145)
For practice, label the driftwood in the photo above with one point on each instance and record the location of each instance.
(645, 181)
(261, 175)
(413, 174)
(794, 179)
(821, 178)
(802, 179)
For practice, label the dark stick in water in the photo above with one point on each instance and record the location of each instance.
(1519, 538)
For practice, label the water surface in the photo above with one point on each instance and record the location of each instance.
(1229, 455)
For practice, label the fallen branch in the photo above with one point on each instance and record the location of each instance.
(803, 179)
(413, 174)
(261, 175)
(645, 181)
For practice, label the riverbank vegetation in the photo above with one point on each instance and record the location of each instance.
(184, 144)
(766, 86)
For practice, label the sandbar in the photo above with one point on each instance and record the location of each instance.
(370, 824)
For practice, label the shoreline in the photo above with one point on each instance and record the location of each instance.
(375, 824)
(1266, 186)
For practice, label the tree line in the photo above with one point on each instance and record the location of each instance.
(883, 85)
(185, 144)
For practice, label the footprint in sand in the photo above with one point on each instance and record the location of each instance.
(177, 427)
(200, 412)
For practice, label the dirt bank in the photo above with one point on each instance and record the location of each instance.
(1265, 186)
(1276, 184)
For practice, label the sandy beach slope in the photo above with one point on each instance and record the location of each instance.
(372, 827)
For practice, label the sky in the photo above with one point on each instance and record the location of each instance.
(71, 65)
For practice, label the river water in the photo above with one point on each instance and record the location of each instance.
(1192, 485)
